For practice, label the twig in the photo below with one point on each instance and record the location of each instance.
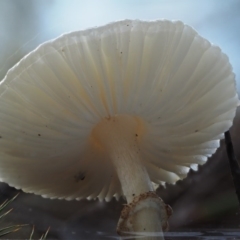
(235, 169)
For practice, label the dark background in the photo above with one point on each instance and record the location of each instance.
(205, 203)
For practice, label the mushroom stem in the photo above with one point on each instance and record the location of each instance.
(118, 136)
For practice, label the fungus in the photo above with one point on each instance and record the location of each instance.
(110, 111)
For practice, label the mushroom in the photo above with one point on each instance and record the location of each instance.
(115, 110)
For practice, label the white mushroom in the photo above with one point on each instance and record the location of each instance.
(109, 111)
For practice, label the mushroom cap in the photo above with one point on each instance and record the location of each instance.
(162, 72)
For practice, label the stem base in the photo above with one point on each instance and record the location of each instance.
(152, 212)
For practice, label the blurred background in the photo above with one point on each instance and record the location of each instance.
(205, 204)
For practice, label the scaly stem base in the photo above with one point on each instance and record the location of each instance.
(144, 216)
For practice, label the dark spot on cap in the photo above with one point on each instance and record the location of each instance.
(79, 176)
(39, 135)
(196, 130)
(136, 135)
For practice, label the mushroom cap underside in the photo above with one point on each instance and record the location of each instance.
(163, 73)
